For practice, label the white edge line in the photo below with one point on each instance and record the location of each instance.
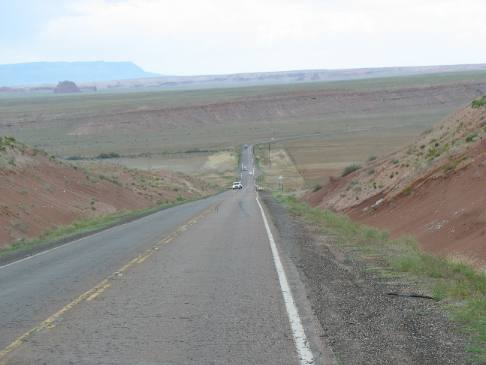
(300, 340)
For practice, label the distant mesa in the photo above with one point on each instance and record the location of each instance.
(5, 89)
(49, 73)
(66, 87)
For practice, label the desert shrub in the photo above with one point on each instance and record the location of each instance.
(350, 169)
(6, 142)
(452, 165)
(408, 190)
(75, 158)
(316, 188)
(108, 155)
(478, 103)
(432, 153)
(471, 137)
(435, 152)
(372, 158)
(197, 150)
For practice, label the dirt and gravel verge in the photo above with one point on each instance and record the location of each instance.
(361, 321)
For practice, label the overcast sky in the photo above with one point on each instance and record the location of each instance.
(224, 36)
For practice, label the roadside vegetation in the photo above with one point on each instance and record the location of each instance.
(102, 194)
(80, 228)
(350, 169)
(478, 103)
(458, 286)
(278, 171)
(6, 142)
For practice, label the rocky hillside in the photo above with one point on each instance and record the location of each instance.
(39, 192)
(434, 188)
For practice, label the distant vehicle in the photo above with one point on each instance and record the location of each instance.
(244, 168)
(237, 185)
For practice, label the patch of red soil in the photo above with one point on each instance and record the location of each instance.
(42, 194)
(447, 214)
(38, 193)
(333, 186)
(433, 189)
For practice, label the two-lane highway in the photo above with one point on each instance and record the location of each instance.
(202, 283)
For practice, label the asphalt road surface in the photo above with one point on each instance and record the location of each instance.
(201, 283)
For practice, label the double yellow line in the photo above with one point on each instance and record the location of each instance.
(99, 288)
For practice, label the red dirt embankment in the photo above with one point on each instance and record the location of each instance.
(446, 213)
(434, 189)
(38, 192)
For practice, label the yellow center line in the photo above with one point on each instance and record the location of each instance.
(98, 289)
(98, 292)
(145, 257)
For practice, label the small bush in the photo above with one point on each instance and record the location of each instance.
(478, 103)
(350, 169)
(452, 165)
(372, 158)
(74, 158)
(472, 137)
(316, 188)
(6, 142)
(102, 156)
(407, 191)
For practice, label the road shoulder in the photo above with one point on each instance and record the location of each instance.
(359, 320)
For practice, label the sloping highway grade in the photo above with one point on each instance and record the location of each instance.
(213, 291)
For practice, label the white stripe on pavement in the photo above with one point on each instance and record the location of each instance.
(300, 340)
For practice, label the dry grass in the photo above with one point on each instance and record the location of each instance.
(280, 173)
(179, 121)
(319, 159)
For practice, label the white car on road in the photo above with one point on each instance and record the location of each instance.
(237, 185)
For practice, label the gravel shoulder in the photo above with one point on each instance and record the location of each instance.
(360, 321)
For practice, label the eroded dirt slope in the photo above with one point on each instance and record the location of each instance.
(434, 188)
(39, 192)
